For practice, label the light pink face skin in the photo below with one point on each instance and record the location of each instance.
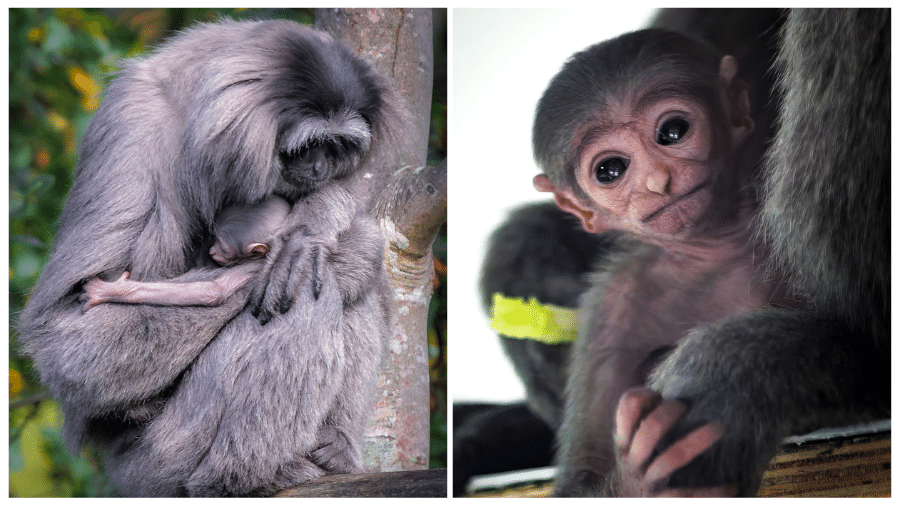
(667, 193)
(666, 189)
(220, 255)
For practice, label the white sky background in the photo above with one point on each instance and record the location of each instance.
(501, 61)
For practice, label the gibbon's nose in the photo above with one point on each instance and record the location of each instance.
(216, 256)
(319, 168)
(659, 179)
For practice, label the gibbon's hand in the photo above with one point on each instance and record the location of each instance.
(294, 264)
(642, 419)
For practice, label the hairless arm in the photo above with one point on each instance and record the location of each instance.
(195, 293)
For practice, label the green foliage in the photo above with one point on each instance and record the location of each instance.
(56, 60)
(78, 472)
(437, 354)
(53, 64)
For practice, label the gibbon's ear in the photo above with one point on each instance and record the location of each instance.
(257, 250)
(592, 219)
(737, 101)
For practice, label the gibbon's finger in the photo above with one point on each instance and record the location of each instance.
(319, 259)
(262, 295)
(294, 271)
(634, 404)
(650, 430)
(270, 299)
(257, 299)
(683, 451)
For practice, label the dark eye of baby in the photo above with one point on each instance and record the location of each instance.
(610, 169)
(672, 131)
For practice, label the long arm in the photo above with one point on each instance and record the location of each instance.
(195, 293)
(764, 376)
(113, 359)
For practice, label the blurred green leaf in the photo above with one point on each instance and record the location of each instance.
(16, 461)
(58, 38)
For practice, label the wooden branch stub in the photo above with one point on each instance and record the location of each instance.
(415, 202)
(427, 483)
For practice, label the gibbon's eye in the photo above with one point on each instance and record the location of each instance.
(610, 169)
(672, 131)
(294, 155)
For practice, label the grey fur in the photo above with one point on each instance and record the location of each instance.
(238, 227)
(835, 181)
(263, 408)
(207, 401)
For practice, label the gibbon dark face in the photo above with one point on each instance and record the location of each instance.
(328, 103)
(321, 160)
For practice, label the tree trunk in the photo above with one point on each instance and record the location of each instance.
(410, 203)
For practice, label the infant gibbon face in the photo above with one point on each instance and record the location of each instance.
(662, 162)
(655, 169)
(660, 165)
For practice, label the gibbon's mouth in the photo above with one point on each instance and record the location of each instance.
(654, 214)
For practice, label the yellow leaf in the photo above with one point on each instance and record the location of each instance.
(86, 86)
(15, 382)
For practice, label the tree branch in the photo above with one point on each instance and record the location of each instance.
(429, 483)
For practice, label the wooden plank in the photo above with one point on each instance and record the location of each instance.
(847, 466)
(853, 466)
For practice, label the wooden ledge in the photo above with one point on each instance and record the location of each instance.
(850, 462)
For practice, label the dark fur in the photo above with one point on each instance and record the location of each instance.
(207, 401)
(835, 181)
(547, 255)
(829, 365)
(771, 372)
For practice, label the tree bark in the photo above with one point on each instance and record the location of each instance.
(427, 483)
